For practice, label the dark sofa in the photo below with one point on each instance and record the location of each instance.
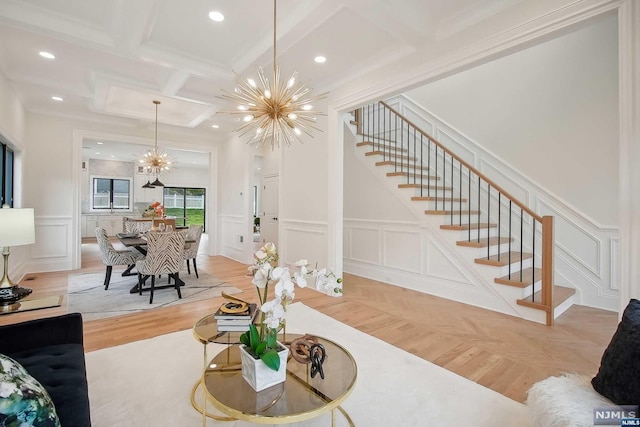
(52, 351)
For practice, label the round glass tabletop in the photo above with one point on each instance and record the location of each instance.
(299, 398)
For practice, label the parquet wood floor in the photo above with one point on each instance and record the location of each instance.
(497, 351)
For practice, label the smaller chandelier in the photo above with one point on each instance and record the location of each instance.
(274, 110)
(155, 161)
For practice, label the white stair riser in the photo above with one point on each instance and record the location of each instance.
(474, 253)
(464, 234)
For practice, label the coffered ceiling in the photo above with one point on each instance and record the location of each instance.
(113, 57)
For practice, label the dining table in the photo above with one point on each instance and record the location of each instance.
(139, 242)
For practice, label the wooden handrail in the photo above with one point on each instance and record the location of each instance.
(468, 166)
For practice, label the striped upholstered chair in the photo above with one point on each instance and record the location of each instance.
(111, 256)
(164, 256)
(191, 249)
(137, 226)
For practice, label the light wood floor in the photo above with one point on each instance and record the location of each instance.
(497, 351)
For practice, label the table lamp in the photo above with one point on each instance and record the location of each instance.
(17, 228)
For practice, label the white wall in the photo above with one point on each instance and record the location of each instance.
(550, 111)
(12, 115)
(364, 197)
(12, 132)
(235, 180)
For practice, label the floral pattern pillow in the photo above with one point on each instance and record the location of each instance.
(24, 402)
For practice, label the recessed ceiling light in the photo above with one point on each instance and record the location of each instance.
(112, 156)
(97, 153)
(47, 55)
(57, 98)
(216, 16)
(215, 126)
(320, 59)
(99, 143)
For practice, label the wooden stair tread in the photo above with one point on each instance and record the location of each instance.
(504, 259)
(402, 166)
(515, 280)
(484, 242)
(560, 295)
(433, 199)
(425, 187)
(394, 155)
(472, 226)
(454, 212)
(381, 146)
(430, 177)
(407, 170)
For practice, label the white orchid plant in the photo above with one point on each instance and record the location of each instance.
(265, 272)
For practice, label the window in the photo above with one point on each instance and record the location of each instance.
(187, 205)
(6, 175)
(111, 193)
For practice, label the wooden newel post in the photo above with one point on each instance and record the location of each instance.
(547, 267)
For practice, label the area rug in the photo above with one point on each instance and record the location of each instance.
(86, 293)
(148, 383)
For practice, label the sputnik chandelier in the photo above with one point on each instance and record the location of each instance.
(154, 161)
(275, 111)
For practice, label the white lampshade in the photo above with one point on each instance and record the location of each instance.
(17, 227)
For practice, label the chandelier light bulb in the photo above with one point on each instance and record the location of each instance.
(292, 116)
(252, 83)
(307, 107)
(247, 118)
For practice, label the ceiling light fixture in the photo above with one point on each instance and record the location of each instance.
(57, 98)
(276, 110)
(320, 59)
(215, 126)
(47, 55)
(154, 161)
(216, 16)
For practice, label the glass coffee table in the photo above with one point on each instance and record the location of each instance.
(299, 398)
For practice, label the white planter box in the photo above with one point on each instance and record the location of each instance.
(260, 376)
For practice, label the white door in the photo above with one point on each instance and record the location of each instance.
(269, 210)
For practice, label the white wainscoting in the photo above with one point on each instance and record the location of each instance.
(587, 253)
(413, 256)
(54, 244)
(301, 239)
(231, 228)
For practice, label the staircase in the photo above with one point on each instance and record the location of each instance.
(499, 231)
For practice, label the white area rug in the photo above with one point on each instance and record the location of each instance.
(86, 293)
(148, 383)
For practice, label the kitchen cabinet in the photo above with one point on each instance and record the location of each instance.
(111, 223)
(90, 224)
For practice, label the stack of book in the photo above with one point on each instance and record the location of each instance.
(235, 322)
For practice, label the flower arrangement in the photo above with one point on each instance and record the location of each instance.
(263, 342)
(155, 209)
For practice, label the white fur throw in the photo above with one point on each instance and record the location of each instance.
(564, 401)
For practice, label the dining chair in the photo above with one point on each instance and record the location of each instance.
(137, 226)
(191, 249)
(112, 256)
(164, 256)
